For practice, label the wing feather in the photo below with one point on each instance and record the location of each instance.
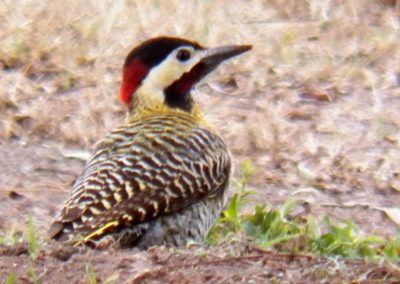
(140, 172)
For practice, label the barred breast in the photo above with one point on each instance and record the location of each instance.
(158, 180)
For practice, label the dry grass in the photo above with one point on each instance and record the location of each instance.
(314, 105)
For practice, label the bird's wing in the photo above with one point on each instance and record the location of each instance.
(135, 178)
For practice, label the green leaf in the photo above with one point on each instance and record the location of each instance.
(32, 240)
(90, 274)
(287, 207)
(312, 230)
(11, 279)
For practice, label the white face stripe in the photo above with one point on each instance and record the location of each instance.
(169, 70)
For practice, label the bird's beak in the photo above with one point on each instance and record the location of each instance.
(214, 56)
(211, 58)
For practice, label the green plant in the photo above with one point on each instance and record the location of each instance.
(32, 239)
(33, 275)
(11, 279)
(112, 278)
(91, 277)
(392, 248)
(274, 227)
(269, 227)
(90, 274)
(346, 240)
(230, 221)
(11, 237)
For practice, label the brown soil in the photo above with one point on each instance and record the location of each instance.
(237, 263)
(314, 106)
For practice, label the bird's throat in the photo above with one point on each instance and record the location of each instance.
(152, 104)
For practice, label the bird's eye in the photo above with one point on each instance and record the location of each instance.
(183, 55)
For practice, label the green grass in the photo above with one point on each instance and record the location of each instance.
(90, 274)
(270, 226)
(33, 276)
(91, 277)
(11, 279)
(11, 237)
(230, 221)
(274, 227)
(31, 238)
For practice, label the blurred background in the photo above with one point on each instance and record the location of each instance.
(314, 106)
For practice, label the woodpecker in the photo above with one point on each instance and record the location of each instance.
(161, 177)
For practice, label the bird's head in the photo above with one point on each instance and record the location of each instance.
(161, 72)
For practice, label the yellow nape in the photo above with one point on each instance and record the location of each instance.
(153, 103)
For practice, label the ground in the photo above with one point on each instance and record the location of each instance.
(314, 106)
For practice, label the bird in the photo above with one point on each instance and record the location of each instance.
(162, 177)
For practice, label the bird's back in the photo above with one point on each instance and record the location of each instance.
(157, 179)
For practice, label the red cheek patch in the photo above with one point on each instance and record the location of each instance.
(132, 75)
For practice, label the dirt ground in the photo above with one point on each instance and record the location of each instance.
(314, 106)
(234, 264)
